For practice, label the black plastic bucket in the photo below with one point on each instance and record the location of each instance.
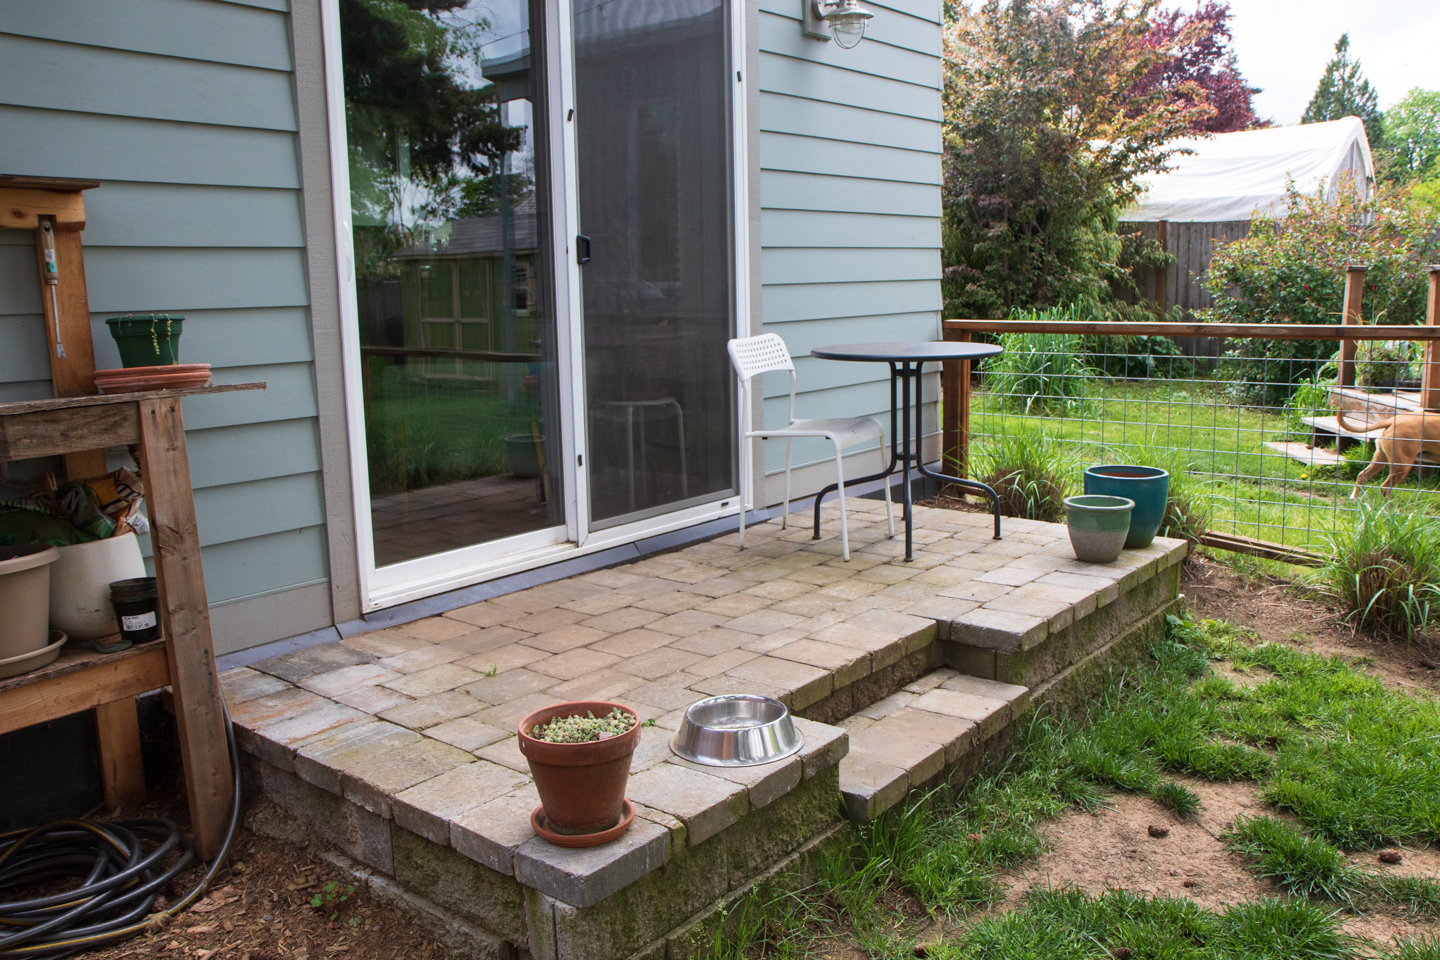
(136, 604)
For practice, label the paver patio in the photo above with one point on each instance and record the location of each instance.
(400, 744)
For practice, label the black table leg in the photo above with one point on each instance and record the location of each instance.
(973, 485)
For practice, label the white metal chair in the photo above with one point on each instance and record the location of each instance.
(758, 355)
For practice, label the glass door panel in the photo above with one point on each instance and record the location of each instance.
(450, 206)
(653, 155)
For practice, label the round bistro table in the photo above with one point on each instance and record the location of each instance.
(906, 360)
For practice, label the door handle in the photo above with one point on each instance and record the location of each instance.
(582, 248)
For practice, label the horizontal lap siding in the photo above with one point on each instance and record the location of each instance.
(184, 111)
(850, 205)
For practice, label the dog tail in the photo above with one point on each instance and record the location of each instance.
(1355, 427)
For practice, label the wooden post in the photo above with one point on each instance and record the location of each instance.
(1162, 273)
(121, 767)
(1430, 377)
(185, 620)
(1354, 295)
(955, 397)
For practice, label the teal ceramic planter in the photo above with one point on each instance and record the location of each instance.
(1098, 526)
(1149, 487)
(147, 339)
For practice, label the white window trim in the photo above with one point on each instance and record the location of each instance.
(439, 573)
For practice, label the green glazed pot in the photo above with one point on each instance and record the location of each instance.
(1098, 526)
(147, 339)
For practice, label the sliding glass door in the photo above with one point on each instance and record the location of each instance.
(450, 204)
(652, 118)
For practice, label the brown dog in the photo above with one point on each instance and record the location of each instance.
(1403, 438)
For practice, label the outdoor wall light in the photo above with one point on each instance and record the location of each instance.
(840, 20)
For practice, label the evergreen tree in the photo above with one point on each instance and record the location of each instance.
(1344, 92)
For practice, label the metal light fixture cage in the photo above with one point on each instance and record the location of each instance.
(841, 20)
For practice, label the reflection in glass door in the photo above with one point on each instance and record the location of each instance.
(450, 206)
(653, 158)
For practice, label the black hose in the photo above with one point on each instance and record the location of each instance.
(118, 880)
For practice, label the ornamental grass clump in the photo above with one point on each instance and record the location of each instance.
(1386, 570)
(584, 729)
(1028, 470)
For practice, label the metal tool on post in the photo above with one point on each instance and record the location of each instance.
(52, 279)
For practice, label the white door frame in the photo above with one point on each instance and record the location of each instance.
(437, 573)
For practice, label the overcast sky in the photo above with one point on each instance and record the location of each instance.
(1283, 46)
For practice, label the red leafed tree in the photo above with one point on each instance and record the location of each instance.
(1208, 61)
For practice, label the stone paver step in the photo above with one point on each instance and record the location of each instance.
(907, 739)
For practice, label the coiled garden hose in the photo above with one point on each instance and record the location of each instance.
(118, 879)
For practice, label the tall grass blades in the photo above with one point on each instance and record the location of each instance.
(1040, 372)
(1386, 569)
(1030, 471)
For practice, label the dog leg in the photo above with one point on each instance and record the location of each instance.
(1371, 471)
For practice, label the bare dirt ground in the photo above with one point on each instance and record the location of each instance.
(1113, 849)
(259, 906)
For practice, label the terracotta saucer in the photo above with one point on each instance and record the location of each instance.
(539, 823)
(137, 379)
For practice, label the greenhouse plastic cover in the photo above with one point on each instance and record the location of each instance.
(1231, 176)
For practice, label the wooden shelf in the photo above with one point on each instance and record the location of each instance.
(80, 680)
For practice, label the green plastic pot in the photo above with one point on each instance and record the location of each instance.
(1098, 526)
(1149, 487)
(147, 339)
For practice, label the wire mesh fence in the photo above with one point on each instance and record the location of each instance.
(1265, 445)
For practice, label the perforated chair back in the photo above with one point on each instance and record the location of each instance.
(752, 355)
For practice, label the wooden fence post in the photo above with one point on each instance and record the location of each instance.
(1354, 295)
(1162, 273)
(1430, 377)
(955, 397)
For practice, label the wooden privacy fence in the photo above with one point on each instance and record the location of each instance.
(1178, 285)
(956, 377)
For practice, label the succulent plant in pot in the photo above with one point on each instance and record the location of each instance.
(579, 754)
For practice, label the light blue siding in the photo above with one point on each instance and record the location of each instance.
(184, 110)
(850, 203)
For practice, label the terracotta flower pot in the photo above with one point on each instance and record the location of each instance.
(581, 785)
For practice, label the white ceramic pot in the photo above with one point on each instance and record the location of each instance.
(80, 584)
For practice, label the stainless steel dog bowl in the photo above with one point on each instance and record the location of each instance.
(736, 730)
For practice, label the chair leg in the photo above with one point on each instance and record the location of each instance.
(785, 507)
(745, 450)
(840, 492)
(889, 510)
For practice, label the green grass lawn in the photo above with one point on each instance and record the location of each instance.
(421, 433)
(1350, 764)
(1245, 488)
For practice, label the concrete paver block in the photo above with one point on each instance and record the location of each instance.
(806, 684)
(583, 877)
(421, 658)
(429, 711)
(347, 679)
(870, 787)
(505, 752)
(765, 783)
(1017, 696)
(998, 630)
(373, 700)
(601, 685)
(374, 783)
(705, 804)
(658, 663)
(511, 685)
(575, 663)
(845, 664)
(632, 643)
(987, 714)
(562, 639)
(466, 733)
(427, 808)
(825, 746)
(491, 832)
(322, 761)
(922, 759)
(503, 659)
(953, 734)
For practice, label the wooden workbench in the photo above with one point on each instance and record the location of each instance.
(185, 659)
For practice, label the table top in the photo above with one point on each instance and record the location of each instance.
(917, 351)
